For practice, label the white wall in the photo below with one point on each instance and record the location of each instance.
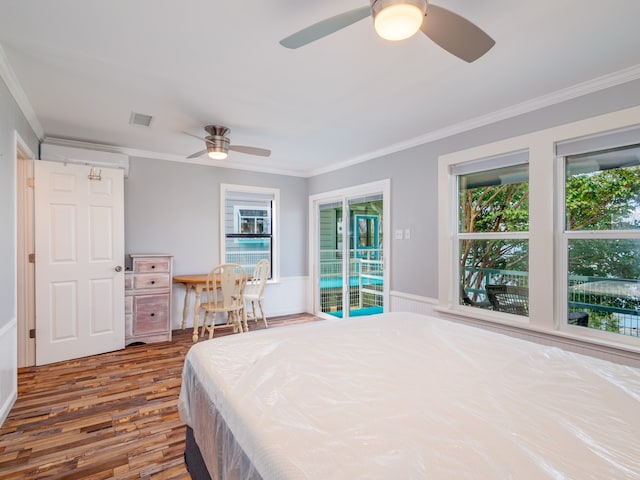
(414, 180)
(11, 121)
(174, 208)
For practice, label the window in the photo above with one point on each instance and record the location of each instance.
(576, 244)
(249, 226)
(602, 239)
(492, 233)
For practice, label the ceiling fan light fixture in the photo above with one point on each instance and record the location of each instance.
(398, 19)
(217, 143)
(216, 155)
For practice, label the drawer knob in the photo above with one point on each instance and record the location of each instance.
(153, 266)
(153, 314)
(153, 282)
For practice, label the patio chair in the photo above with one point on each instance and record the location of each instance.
(509, 299)
(466, 300)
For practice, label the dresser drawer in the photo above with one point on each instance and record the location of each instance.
(128, 280)
(151, 314)
(151, 265)
(151, 280)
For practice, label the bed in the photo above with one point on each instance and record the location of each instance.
(402, 395)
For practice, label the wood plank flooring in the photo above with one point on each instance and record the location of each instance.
(107, 416)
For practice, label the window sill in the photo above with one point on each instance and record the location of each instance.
(507, 324)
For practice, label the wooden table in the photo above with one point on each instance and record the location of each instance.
(196, 283)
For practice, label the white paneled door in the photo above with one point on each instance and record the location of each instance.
(79, 246)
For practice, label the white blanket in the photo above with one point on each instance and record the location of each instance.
(405, 396)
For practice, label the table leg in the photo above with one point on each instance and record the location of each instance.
(196, 314)
(185, 310)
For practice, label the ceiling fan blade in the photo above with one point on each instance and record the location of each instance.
(195, 136)
(456, 34)
(262, 152)
(197, 154)
(325, 27)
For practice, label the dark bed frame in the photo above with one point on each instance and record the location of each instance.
(193, 458)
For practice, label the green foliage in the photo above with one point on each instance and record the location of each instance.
(603, 200)
(501, 208)
(603, 321)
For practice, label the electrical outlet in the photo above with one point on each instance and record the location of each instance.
(407, 234)
(398, 234)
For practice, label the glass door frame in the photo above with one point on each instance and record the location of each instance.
(382, 187)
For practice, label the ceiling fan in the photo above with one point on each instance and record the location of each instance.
(218, 145)
(400, 19)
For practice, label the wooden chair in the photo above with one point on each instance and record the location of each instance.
(254, 292)
(509, 299)
(223, 294)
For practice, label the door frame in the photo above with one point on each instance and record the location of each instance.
(344, 194)
(25, 271)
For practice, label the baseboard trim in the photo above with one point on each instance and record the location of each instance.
(9, 373)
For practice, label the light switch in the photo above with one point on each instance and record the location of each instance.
(398, 234)
(407, 234)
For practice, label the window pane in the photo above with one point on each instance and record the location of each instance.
(603, 190)
(492, 262)
(249, 233)
(494, 200)
(247, 251)
(604, 288)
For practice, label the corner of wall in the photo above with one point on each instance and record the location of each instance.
(9, 368)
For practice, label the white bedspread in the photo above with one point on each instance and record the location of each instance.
(404, 396)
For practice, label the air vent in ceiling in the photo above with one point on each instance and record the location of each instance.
(140, 119)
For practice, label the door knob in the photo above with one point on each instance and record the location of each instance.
(118, 268)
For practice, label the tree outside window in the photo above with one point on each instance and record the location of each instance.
(493, 223)
(602, 230)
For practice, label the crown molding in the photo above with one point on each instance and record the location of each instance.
(10, 79)
(559, 96)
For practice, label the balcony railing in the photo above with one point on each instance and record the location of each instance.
(612, 304)
(366, 280)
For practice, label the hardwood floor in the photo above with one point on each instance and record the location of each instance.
(107, 416)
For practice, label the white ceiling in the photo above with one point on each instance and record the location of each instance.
(85, 65)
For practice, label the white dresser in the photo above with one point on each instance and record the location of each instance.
(148, 298)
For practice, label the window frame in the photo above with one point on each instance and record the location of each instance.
(477, 166)
(564, 236)
(250, 191)
(548, 312)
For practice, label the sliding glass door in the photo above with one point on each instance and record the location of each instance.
(349, 270)
(331, 257)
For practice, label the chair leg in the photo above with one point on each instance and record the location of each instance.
(264, 317)
(244, 317)
(253, 309)
(212, 327)
(204, 328)
(243, 321)
(231, 318)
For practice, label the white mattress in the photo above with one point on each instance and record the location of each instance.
(405, 396)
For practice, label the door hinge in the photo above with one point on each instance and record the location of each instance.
(32, 258)
(31, 182)
(32, 333)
